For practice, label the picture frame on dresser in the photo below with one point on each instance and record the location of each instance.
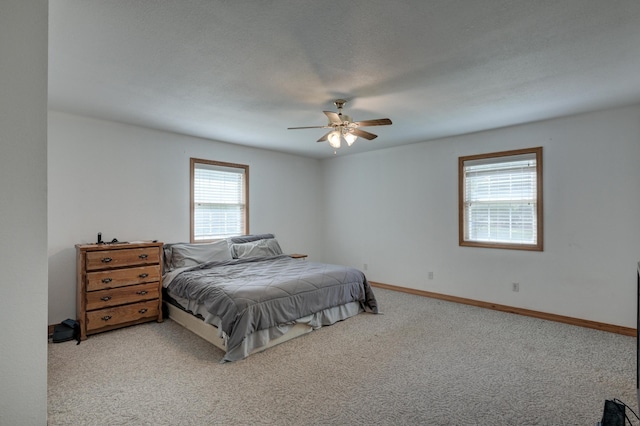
(118, 285)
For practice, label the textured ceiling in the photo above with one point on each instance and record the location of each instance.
(243, 71)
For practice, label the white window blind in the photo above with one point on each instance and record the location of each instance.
(500, 199)
(219, 204)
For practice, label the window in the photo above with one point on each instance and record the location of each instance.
(219, 200)
(500, 199)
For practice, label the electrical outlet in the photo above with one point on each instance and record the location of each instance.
(365, 266)
(515, 286)
(430, 275)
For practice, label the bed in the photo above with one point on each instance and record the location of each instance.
(244, 295)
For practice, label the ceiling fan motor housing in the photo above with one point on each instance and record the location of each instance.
(346, 119)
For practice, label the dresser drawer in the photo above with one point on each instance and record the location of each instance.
(121, 314)
(122, 277)
(120, 296)
(108, 259)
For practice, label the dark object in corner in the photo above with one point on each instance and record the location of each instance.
(67, 330)
(613, 415)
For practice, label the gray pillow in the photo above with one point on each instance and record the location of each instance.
(248, 238)
(186, 254)
(261, 248)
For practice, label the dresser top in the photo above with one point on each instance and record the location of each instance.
(117, 246)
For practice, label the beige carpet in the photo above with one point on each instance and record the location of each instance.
(423, 361)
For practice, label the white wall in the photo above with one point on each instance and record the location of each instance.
(397, 211)
(132, 183)
(23, 212)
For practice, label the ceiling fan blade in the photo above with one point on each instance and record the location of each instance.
(363, 134)
(324, 137)
(333, 117)
(308, 127)
(377, 122)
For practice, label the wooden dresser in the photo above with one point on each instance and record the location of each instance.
(118, 285)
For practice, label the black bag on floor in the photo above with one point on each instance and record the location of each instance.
(67, 330)
(614, 414)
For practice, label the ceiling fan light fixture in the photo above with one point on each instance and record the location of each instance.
(334, 139)
(350, 138)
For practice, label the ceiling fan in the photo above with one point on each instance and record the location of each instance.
(342, 126)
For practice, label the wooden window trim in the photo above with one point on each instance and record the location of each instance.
(193, 162)
(539, 206)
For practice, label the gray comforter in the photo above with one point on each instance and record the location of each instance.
(259, 293)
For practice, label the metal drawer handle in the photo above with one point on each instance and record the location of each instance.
(105, 298)
(143, 256)
(143, 275)
(106, 318)
(106, 280)
(142, 311)
(106, 259)
(142, 292)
